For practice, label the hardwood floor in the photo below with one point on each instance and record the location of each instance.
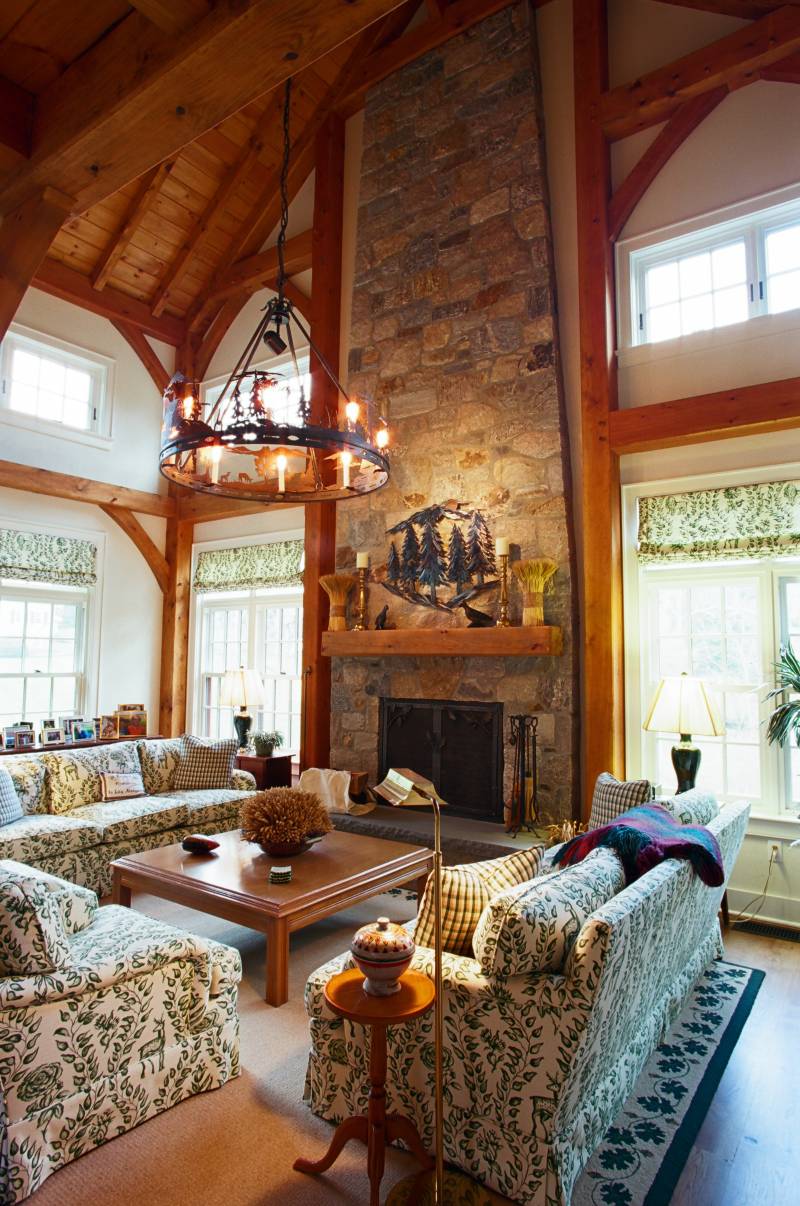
(747, 1152)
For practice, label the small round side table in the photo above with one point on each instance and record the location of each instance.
(345, 995)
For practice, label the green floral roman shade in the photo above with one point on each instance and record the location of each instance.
(714, 525)
(250, 567)
(39, 557)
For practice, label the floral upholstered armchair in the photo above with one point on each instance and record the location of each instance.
(107, 1018)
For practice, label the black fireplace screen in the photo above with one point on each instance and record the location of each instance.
(458, 746)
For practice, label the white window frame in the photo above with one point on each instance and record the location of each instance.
(751, 220)
(100, 368)
(280, 365)
(771, 817)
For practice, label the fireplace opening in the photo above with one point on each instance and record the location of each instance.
(458, 746)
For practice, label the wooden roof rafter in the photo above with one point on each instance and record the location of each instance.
(143, 198)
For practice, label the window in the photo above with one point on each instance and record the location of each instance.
(42, 651)
(714, 276)
(282, 400)
(723, 624)
(44, 381)
(259, 628)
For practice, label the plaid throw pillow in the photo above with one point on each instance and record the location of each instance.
(466, 891)
(204, 764)
(612, 797)
(10, 807)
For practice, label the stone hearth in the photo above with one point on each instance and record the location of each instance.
(453, 334)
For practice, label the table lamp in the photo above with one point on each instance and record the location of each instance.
(682, 704)
(239, 689)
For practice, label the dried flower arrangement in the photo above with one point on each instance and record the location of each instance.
(564, 831)
(337, 587)
(282, 819)
(534, 577)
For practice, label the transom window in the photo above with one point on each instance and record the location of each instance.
(723, 274)
(45, 381)
(283, 400)
(42, 652)
(261, 629)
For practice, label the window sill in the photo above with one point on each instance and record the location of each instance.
(58, 431)
(761, 327)
(764, 826)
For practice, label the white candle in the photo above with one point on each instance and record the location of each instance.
(501, 546)
(347, 457)
(215, 456)
(362, 560)
(281, 461)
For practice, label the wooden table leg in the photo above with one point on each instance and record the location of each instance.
(421, 882)
(277, 990)
(120, 892)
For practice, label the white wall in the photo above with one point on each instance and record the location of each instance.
(747, 147)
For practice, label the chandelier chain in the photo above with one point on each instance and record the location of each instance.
(287, 145)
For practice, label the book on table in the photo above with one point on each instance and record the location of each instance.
(405, 788)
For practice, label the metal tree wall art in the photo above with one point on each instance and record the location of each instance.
(422, 569)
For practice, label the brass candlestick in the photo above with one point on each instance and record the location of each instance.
(361, 609)
(503, 620)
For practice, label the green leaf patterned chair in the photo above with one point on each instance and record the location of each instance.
(107, 1018)
(575, 980)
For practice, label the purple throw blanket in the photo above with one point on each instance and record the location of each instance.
(646, 836)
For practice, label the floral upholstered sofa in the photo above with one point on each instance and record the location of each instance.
(68, 831)
(575, 980)
(107, 1018)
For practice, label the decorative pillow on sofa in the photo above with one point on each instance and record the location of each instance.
(533, 927)
(691, 807)
(159, 760)
(118, 786)
(204, 763)
(612, 797)
(32, 936)
(78, 905)
(74, 775)
(10, 807)
(28, 777)
(466, 891)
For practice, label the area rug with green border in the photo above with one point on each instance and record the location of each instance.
(645, 1149)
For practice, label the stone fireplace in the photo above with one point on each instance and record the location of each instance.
(453, 334)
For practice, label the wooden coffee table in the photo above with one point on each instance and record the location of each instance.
(233, 883)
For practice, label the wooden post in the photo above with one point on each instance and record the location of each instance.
(602, 680)
(320, 518)
(175, 628)
(25, 236)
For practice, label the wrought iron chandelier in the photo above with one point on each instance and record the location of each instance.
(237, 448)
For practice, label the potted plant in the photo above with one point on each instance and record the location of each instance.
(784, 722)
(265, 744)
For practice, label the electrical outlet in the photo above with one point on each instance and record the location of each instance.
(776, 852)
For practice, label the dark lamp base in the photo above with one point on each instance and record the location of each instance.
(686, 761)
(242, 723)
(459, 1190)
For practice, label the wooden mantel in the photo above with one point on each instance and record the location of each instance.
(546, 641)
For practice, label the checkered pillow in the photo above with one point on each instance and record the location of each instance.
(612, 797)
(10, 806)
(204, 764)
(466, 891)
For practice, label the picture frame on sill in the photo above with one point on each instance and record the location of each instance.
(52, 736)
(11, 730)
(132, 722)
(109, 727)
(24, 739)
(67, 723)
(83, 730)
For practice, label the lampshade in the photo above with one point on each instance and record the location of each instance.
(682, 704)
(241, 688)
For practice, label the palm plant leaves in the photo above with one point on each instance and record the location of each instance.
(784, 721)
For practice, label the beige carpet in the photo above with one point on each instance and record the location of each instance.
(235, 1146)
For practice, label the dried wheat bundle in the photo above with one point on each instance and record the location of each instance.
(283, 815)
(534, 577)
(337, 587)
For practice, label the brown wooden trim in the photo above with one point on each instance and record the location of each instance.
(149, 188)
(748, 10)
(603, 684)
(785, 71)
(255, 271)
(151, 553)
(57, 279)
(171, 16)
(201, 508)
(216, 332)
(82, 489)
(661, 149)
(138, 341)
(16, 117)
(748, 410)
(733, 61)
(545, 641)
(175, 629)
(25, 236)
